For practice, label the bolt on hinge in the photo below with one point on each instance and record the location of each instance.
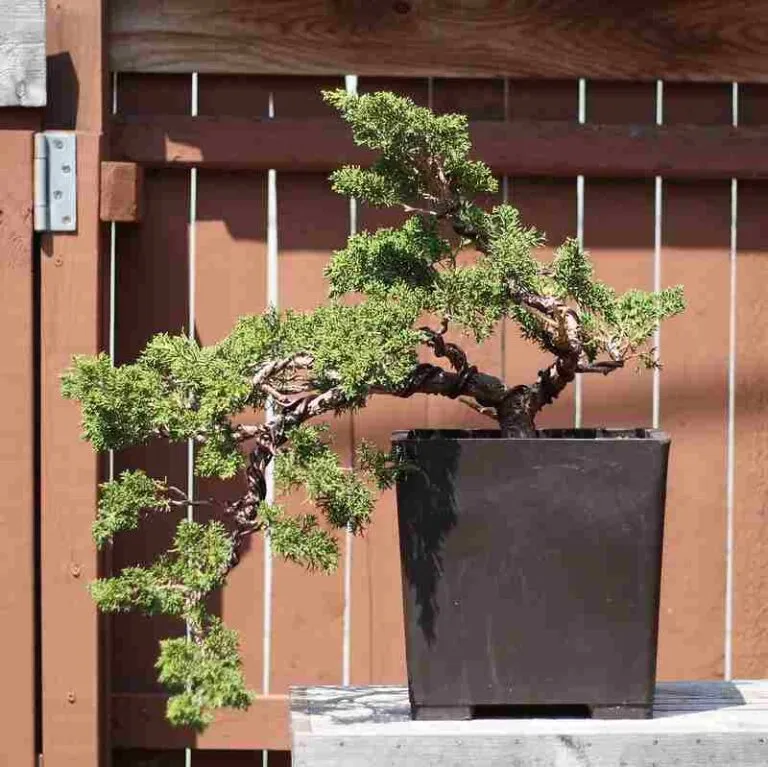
(55, 181)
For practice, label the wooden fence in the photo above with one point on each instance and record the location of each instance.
(218, 104)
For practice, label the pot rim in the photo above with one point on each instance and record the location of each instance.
(586, 435)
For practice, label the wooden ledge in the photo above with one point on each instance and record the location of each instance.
(718, 724)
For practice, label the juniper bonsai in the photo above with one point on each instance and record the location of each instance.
(295, 366)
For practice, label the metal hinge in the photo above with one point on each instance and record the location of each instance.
(55, 181)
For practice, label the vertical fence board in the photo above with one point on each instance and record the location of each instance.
(479, 100)
(694, 405)
(69, 325)
(550, 206)
(17, 440)
(750, 521)
(307, 623)
(230, 282)
(619, 232)
(377, 638)
(750, 639)
(151, 296)
(73, 705)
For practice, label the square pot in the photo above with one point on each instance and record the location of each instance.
(531, 570)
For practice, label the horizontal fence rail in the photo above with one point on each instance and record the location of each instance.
(523, 148)
(679, 39)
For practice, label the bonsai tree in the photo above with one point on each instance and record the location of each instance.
(293, 367)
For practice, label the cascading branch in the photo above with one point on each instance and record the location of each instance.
(298, 366)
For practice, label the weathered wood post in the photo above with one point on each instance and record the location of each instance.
(74, 724)
(22, 93)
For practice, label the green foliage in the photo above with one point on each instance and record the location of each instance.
(121, 502)
(373, 343)
(117, 403)
(415, 145)
(388, 259)
(638, 313)
(309, 462)
(175, 582)
(205, 673)
(219, 456)
(385, 468)
(573, 277)
(300, 539)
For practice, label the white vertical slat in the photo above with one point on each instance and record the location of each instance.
(350, 83)
(505, 193)
(191, 316)
(658, 216)
(112, 340)
(273, 302)
(192, 284)
(578, 396)
(731, 439)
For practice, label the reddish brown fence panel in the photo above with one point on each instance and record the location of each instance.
(307, 638)
(704, 39)
(17, 441)
(299, 628)
(151, 295)
(72, 701)
(377, 655)
(694, 395)
(525, 147)
(750, 522)
(619, 232)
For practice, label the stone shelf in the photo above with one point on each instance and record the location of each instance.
(695, 724)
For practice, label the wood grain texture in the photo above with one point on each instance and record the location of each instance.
(70, 325)
(151, 295)
(750, 521)
(22, 53)
(713, 724)
(121, 192)
(619, 234)
(74, 704)
(693, 407)
(703, 39)
(139, 722)
(377, 632)
(230, 282)
(750, 635)
(308, 609)
(17, 503)
(521, 147)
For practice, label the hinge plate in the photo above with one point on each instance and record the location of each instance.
(55, 181)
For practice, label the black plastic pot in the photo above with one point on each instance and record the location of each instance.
(531, 571)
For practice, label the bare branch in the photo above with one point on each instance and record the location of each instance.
(269, 369)
(490, 412)
(605, 367)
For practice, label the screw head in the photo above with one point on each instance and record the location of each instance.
(75, 569)
(66, 219)
(66, 168)
(58, 143)
(71, 697)
(57, 195)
